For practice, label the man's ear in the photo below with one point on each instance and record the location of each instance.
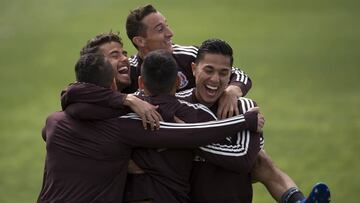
(141, 83)
(113, 85)
(139, 41)
(193, 68)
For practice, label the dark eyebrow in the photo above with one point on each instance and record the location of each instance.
(160, 24)
(114, 51)
(225, 69)
(208, 66)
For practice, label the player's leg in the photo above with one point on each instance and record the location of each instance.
(279, 184)
(282, 188)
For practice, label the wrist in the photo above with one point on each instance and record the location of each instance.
(128, 100)
(234, 90)
(251, 120)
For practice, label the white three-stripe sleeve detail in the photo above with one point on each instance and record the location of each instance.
(209, 124)
(243, 138)
(250, 105)
(238, 138)
(188, 50)
(246, 79)
(240, 75)
(228, 150)
(133, 60)
(185, 93)
(233, 70)
(234, 150)
(185, 48)
(184, 52)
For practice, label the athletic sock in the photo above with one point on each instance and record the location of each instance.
(292, 195)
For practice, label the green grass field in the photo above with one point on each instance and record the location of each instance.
(303, 58)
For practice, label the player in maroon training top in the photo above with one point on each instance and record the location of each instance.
(211, 183)
(210, 180)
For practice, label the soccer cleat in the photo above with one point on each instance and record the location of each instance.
(320, 193)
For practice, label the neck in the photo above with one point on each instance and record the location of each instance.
(142, 53)
(172, 92)
(147, 93)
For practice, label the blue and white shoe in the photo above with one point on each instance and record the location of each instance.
(320, 193)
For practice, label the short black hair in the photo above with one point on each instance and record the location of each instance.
(134, 26)
(95, 69)
(92, 45)
(159, 71)
(215, 46)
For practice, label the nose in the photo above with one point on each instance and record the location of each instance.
(123, 58)
(169, 32)
(215, 78)
(123, 61)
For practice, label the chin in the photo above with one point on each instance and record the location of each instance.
(123, 78)
(169, 49)
(124, 82)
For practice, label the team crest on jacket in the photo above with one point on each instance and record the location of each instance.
(183, 80)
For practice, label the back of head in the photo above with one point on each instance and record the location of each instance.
(95, 69)
(159, 72)
(92, 46)
(214, 46)
(134, 26)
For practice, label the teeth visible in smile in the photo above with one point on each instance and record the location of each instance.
(122, 69)
(211, 87)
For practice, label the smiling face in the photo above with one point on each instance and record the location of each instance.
(212, 75)
(115, 54)
(158, 34)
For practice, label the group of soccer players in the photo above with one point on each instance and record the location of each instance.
(205, 142)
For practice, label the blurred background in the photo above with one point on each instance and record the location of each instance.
(302, 56)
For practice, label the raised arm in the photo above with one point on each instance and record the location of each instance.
(239, 86)
(240, 79)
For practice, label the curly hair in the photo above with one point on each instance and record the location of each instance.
(93, 44)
